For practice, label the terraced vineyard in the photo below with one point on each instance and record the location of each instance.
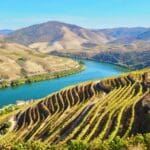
(91, 111)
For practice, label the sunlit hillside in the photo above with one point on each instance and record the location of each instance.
(19, 62)
(90, 112)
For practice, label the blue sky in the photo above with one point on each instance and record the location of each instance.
(16, 14)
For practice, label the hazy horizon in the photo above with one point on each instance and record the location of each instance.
(91, 14)
(76, 25)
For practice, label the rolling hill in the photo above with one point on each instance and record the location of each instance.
(123, 33)
(144, 35)
(56, 36)
(18, 62)
(53, 35)
(90, 112)
(66, 39)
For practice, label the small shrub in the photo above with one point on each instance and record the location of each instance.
(29, 146)
(147, 140)
(138, 139)
(118, 144)
(99, 145)
(77, 145)
(4, 127)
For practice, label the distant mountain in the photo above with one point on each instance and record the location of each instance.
(122, 33)
(144, 36)
(56, 35)
(125, 35)
(5, 32)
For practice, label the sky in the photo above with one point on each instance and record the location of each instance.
(15, 14)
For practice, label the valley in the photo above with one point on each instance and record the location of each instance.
(75, 75)
(90, 112)
(103, 104)
(93, 70)
(115, 45)
(20, 64)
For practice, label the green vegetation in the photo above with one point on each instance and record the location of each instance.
(139, 141)
(132, 60)
(8, 109)
(4, 127)
(98, 115)
(36, 78)
(20, 64)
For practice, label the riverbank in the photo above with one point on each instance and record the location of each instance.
(93, 59)
(41, 77)
(122, 66)
(129, 60)
(94, 70)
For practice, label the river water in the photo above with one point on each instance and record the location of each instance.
(94, 70)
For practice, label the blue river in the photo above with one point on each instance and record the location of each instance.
(94, 70)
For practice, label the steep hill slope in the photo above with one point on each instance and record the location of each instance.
(92, 111)
(66, 39)
(123, 33)
(56, 36)
(133, 60)
(17, 62)
(144, 35)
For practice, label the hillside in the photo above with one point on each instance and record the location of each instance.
(133, 60)
(134, 56)
(145, 35)
(18, 62)
(56, 36)
(123, 33)
(89, 112)
(53, 35)
(66, 39)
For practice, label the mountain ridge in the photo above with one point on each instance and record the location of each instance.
(55, 33)
(108, 45)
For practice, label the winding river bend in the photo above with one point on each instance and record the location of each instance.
(94, 70)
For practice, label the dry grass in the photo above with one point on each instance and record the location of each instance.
(17, 61)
